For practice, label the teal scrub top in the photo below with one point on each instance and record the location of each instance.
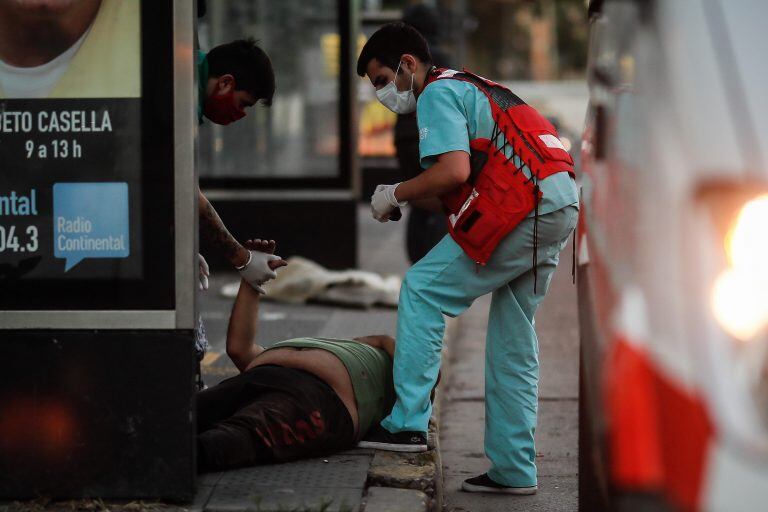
(202, 82)
(450, 113)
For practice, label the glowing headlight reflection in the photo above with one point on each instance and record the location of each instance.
(740, 295)
(748, 243)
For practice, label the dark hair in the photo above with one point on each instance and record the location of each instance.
(248, 63)
(391, 42)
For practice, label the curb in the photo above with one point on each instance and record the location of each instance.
(412, 482)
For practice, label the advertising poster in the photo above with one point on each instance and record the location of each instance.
(70, 140)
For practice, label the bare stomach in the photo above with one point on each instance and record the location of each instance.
(319, 362)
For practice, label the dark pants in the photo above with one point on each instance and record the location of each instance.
(269, 414)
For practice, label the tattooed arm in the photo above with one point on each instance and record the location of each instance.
(213, 230)
(242, 348)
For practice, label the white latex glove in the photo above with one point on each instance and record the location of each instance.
(383, 201)
(256, 271)
(204, 273)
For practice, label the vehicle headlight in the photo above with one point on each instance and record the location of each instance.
(740, 294)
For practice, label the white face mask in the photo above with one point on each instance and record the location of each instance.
(399, 102)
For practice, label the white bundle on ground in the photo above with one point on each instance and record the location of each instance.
(304, 280)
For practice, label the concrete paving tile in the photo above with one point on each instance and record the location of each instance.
(348, 471)
(556, 436)
(559, 372)
(557, 433)
(309, 484)
(281, 499)
(385, 499)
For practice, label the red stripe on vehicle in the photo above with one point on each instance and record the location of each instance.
(658, 433)
(686, 435)
(633, 435)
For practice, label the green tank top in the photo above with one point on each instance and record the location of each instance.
(370, 370)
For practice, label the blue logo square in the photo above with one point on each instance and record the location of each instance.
(90, 220)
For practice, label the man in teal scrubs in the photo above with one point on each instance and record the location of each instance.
(446, 281)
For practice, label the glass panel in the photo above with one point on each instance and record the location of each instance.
(377, 123)
(298, 136)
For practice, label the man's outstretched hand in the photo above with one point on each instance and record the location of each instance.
(262, 263)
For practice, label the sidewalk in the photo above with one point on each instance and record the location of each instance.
(462, 426)
(346, 481)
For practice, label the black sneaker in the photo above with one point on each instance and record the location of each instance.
(483, 483)
(382, 439)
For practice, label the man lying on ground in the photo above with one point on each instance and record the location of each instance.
(300, 398)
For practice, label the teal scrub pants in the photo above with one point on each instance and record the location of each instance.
(446, 282)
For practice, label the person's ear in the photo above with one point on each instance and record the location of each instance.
(225, 84)
(409, 62)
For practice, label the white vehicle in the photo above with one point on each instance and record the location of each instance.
(673, 257)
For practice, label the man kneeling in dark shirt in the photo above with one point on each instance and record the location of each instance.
(300, 398)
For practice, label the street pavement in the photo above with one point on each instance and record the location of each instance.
(462, 417)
